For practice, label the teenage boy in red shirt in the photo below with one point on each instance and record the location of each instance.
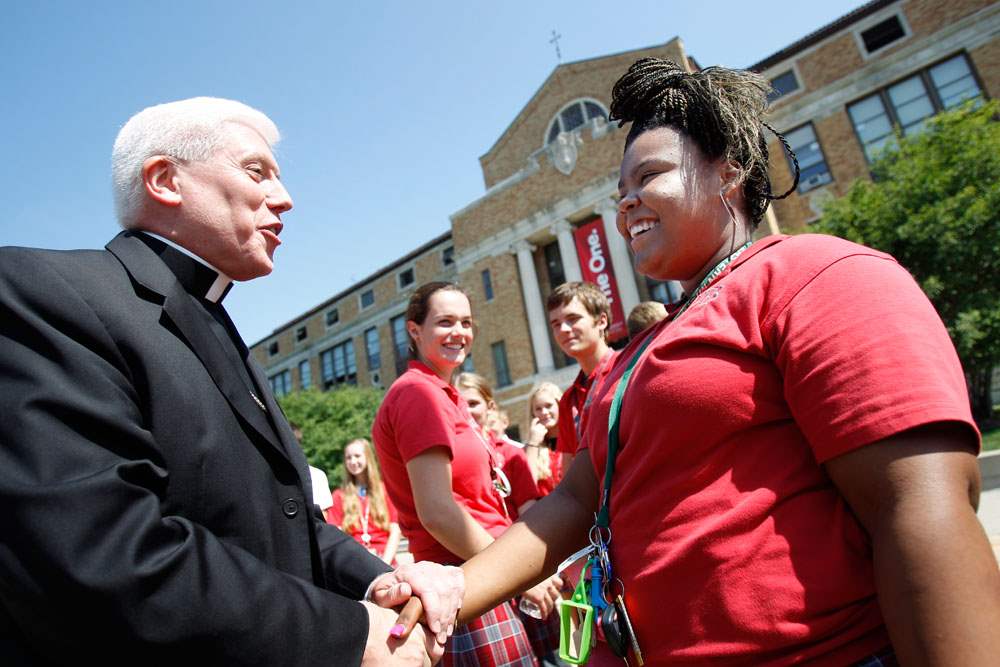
(580, 315)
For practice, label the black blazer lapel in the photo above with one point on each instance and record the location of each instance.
(292, 448)
(206, 337)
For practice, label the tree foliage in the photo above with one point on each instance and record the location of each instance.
(934, 204)
(329, 420)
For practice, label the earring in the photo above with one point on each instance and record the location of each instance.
(732, 217)
(729, 209)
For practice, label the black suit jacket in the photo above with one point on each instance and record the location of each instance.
(150, 509)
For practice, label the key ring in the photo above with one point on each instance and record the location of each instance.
(597, 535)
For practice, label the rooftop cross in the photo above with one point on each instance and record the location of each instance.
(555, 40)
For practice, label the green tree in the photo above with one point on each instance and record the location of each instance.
(934, 204)
(329, 420)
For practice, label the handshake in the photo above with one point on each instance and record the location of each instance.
(432, 595)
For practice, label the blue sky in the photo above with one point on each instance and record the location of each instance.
(385, 107)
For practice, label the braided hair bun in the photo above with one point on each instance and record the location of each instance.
(720, 109)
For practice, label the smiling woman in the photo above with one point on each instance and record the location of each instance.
(441, 472)
(787, 461)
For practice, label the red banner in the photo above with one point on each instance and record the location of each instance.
(595, 264)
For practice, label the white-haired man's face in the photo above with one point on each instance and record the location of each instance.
(230, 205)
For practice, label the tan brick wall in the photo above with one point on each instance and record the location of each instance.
(590, 78)
(597, 159)
(986, 61)
(503, 318)
(830, 61)
(928, 16)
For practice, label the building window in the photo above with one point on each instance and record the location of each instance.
(783, 84)
(487, 285)
(499, 350)
(883, 34)
(300, 334)
(305, 374)
(554, 264)
(338, 365)
(812, 163)
(281, 383)
(574, 115)
(448, 256)
(400, 342)
(332, 317)
(907, 104)
(953, 82)
(467, 365)
(272, 348)
(367, 298)
(405, 278)
(373, 349)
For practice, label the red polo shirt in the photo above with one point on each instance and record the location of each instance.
(733, 545)
(573, 401)
(421, 411)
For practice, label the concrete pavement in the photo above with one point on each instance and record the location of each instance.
(989, 499)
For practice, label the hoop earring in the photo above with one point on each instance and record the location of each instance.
(732, 218)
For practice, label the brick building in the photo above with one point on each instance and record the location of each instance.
(547, 214)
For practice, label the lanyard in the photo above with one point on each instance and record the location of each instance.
(498, 478)
(604, 515)
(366, 537)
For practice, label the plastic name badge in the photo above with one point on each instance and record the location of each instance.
(576, 625)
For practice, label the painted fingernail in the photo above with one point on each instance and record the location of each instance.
(397, 630)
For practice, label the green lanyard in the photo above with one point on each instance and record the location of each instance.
(604, 515)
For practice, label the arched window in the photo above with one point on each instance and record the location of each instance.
(573, 115)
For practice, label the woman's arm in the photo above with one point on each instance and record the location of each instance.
(531, 549)
(441, 516)
(391, 544)
(938, 584)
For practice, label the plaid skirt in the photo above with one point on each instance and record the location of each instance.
(495, 638)
(542, 634)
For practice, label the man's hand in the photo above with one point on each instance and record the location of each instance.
(419, 648)
(545, 595)
(440, 589)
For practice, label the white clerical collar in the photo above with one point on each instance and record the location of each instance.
(218, 287)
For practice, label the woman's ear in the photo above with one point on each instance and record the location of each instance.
(729, 177)
(413, 331)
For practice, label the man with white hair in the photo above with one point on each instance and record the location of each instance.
(157, 508)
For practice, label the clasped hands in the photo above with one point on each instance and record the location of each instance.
(390, 638)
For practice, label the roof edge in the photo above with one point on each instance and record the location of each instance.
(822, 33)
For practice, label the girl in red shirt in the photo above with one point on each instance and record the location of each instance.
(360, 506)
(543, 413)
(442, 475)
(543, 633)
(478, 397)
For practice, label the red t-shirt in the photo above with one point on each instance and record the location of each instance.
(547, 484)
(378, 536)
(733, 545)
(421, 411)
(574, 400)
(514, 463)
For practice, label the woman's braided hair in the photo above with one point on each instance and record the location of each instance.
(719, 108)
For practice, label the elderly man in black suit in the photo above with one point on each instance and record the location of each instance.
(156, 506)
